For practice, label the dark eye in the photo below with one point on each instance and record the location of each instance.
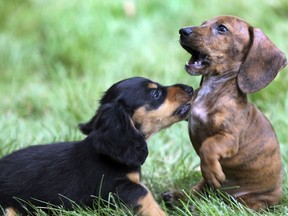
(222, 29)
(156, 94)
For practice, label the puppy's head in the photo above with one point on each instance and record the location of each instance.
(227, 45)
(130, 112)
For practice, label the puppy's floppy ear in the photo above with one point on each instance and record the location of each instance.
(113, 134)
(263, 61)
(87, 128)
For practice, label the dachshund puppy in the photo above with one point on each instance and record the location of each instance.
(107, 161)
(236, 143)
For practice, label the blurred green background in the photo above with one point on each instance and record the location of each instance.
(57, 57)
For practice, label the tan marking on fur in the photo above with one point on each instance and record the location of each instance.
(10, 212)
(152, 86)
(134, 177)
(176, 94)
(150, 207)
(152, 121)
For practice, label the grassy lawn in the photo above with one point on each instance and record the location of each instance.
(58, 57)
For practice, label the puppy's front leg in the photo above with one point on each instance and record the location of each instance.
(149, 207)
(10, 212)
(138, 196)
(212, 150)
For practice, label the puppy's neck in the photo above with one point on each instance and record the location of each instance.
(220, 84)
(219, 79)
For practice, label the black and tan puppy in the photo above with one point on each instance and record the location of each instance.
(236, 143)
(107, 161)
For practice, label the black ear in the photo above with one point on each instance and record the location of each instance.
(113, 134)
(86, 128)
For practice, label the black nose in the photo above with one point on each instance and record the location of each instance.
(185, 31)
(188, 89)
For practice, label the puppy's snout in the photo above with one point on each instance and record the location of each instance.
(188, 90)
(185, 31)
(185, 88)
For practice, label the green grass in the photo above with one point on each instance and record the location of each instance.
(58, 57)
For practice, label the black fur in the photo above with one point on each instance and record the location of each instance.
(83, 170)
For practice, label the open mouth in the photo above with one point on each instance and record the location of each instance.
(183, 110)
(198, 60)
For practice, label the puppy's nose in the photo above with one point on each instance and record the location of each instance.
(185, 31)
(188, 89)
(185, 88)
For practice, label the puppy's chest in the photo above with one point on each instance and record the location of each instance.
(200, 109)
(201, 122)
(199, 113)
(204, 113)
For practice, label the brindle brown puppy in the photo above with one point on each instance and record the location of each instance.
(236, 143)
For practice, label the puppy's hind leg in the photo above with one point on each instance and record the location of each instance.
(262, 200)
(149, 207)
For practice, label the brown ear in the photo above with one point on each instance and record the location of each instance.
(263, 62)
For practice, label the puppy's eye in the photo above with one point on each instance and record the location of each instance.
(156, 94)
(222, 29)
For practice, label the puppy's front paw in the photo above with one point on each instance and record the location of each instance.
(213, 174)
(177, 199)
